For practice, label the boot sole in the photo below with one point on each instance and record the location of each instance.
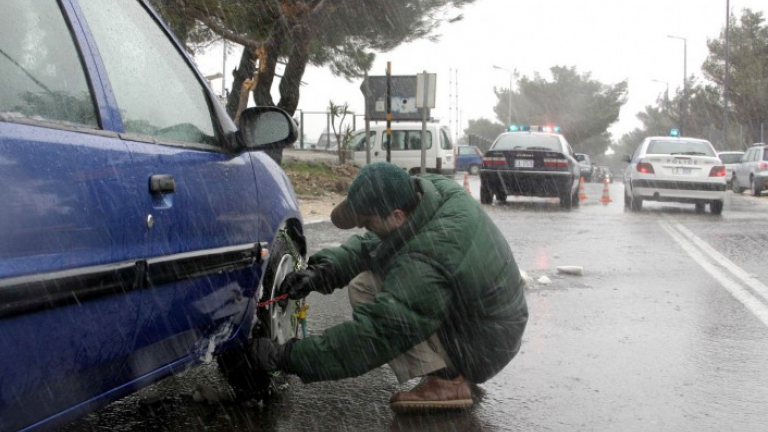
(411, 406)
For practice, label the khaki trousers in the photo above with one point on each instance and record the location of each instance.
(428, 356)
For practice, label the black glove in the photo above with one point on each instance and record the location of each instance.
(318, 276)
(268, 355)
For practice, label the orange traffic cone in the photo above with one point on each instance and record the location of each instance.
(582, 194)
(466, 184)
(606, 198)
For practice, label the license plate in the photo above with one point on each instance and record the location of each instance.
(681, 171)
(523, 163)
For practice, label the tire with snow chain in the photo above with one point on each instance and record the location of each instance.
(273, 321)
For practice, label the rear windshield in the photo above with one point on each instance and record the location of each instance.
(528, 142)
(693, 148)
(730, 158)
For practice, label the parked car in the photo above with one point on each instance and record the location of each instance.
(752, 171)
(530, 163)
(587, 168)
(327, 141)
(405, 147)
(139, 227)
(730, 159)
(469, 158)
(673, 169)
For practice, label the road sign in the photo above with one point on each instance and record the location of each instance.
(403, 97)
(426, 84)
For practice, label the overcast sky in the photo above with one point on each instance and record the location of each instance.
(613, 40)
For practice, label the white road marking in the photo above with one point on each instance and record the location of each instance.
(758, 287)
(708, 259)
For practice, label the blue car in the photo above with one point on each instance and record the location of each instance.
(469, 159)
(139, 228)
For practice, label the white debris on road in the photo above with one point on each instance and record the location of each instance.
(571, 270)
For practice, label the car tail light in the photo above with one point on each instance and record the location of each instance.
(555, 163)
(763, 165)
(717, 171)
(495, 161)
(645, 168)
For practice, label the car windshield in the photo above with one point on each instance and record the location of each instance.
(524, 141)
(730, 158)
(680, 147)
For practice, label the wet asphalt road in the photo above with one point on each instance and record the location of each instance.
(665, 331)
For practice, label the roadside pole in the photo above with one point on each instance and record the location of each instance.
(367, 121)
(425, 99)
(388, 102)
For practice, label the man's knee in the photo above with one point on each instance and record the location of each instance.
(363, 288)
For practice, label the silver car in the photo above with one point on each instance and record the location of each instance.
(752, 172)
(730, 159)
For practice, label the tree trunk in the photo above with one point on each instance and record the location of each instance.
(243, 72)
(268, 65)
(290, 85)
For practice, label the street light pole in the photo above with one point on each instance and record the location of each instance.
(725, 81)
(509, 104)
(684, 101)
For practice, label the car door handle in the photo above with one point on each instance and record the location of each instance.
(162, 183)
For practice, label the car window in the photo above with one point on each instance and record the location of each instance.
(408, 140)
(765, 155)
(326, 139)
(730, 158)
(42, 73)
(445, 140)
(527, 142)
(750, 155)
(156, 91)
(358, 141)
(701, 148)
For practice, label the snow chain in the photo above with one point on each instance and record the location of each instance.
(299, 317)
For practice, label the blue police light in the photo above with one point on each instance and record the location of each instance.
(513, 128)
(558, 129)
(674, 132)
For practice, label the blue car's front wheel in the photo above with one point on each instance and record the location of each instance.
(275, 320)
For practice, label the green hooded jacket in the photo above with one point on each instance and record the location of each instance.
(447, 270)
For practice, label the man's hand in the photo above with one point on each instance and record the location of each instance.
(316, 277)
(268, 355)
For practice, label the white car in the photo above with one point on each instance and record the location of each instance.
(730, 159)
(672, 169)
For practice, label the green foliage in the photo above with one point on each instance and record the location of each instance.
(748, 71)
(748, 93)
(585, 108)
(343, 134)
(484, 128)
(703, 118)
(341, 34)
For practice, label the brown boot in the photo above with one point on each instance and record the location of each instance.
(434, 393)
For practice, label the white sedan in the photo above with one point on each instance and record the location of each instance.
(672, 169)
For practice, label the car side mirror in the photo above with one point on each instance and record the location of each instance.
(265, 128)
(626, 159)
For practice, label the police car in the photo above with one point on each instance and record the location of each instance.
(675, 169)
(530, 161)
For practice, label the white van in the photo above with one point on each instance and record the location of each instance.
(406, 147)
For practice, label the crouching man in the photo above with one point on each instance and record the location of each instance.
(435, 292)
